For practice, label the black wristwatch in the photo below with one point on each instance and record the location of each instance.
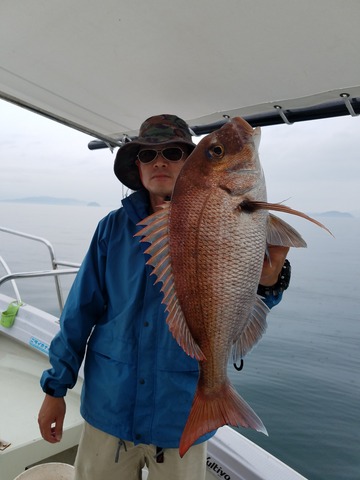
(282, 283)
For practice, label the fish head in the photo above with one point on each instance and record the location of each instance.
(227, 158)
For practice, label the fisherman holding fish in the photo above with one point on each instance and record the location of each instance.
(126, 310)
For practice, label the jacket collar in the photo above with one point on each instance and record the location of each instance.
(137, 205)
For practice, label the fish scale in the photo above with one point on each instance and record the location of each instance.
(220, 288)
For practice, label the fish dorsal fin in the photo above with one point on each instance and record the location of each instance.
(155, 232)
(253, 331)
(281, 233)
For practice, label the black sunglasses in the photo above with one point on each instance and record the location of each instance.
(173, 154)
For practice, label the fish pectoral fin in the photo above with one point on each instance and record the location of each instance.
(252, 205)
(281, 233)
(253, 331)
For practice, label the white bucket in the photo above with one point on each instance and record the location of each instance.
(48, 471)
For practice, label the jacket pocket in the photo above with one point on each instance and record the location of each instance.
(104, 342)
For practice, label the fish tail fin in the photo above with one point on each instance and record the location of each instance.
(209, 412)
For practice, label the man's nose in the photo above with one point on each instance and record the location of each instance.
(160, 160)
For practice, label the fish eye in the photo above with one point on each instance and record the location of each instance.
(216, 152)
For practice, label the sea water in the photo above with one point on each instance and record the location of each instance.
(302, 379)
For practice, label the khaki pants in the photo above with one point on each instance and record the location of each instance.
(103, 457)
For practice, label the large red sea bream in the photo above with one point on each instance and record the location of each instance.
(208, 247)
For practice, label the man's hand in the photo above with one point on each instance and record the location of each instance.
(51, 418)
(273, 264)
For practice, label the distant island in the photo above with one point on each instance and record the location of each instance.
(51, 201)
(334, 213)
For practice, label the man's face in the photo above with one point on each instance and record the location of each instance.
(159, 176)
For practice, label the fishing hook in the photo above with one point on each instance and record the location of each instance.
(240, 367)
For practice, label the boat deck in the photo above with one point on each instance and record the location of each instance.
(20, 400)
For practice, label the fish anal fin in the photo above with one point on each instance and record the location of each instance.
(211, 411)
(253, 331)
(281, 233)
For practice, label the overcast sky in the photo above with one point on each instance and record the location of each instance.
(314, 165)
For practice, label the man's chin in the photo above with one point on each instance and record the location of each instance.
(161, 192)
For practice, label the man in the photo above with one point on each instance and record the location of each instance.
(138, 382)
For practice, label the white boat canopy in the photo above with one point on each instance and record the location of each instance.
(103, 67)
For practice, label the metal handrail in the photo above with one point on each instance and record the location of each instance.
(55, 272)
(13, 284)
(40, 273)
(65, 263)
(33, 237)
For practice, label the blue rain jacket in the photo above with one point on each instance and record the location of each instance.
(139, 384)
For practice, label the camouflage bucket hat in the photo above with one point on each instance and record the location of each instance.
(156, 130)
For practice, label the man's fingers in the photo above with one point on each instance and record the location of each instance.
(273, 264)
(58, 430)
(51, 419)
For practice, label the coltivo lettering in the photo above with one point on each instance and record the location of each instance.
(211, 465)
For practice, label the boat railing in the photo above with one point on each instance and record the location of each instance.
(55, 271)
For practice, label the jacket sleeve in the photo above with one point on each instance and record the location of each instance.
(85, 305)
(272, 300)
